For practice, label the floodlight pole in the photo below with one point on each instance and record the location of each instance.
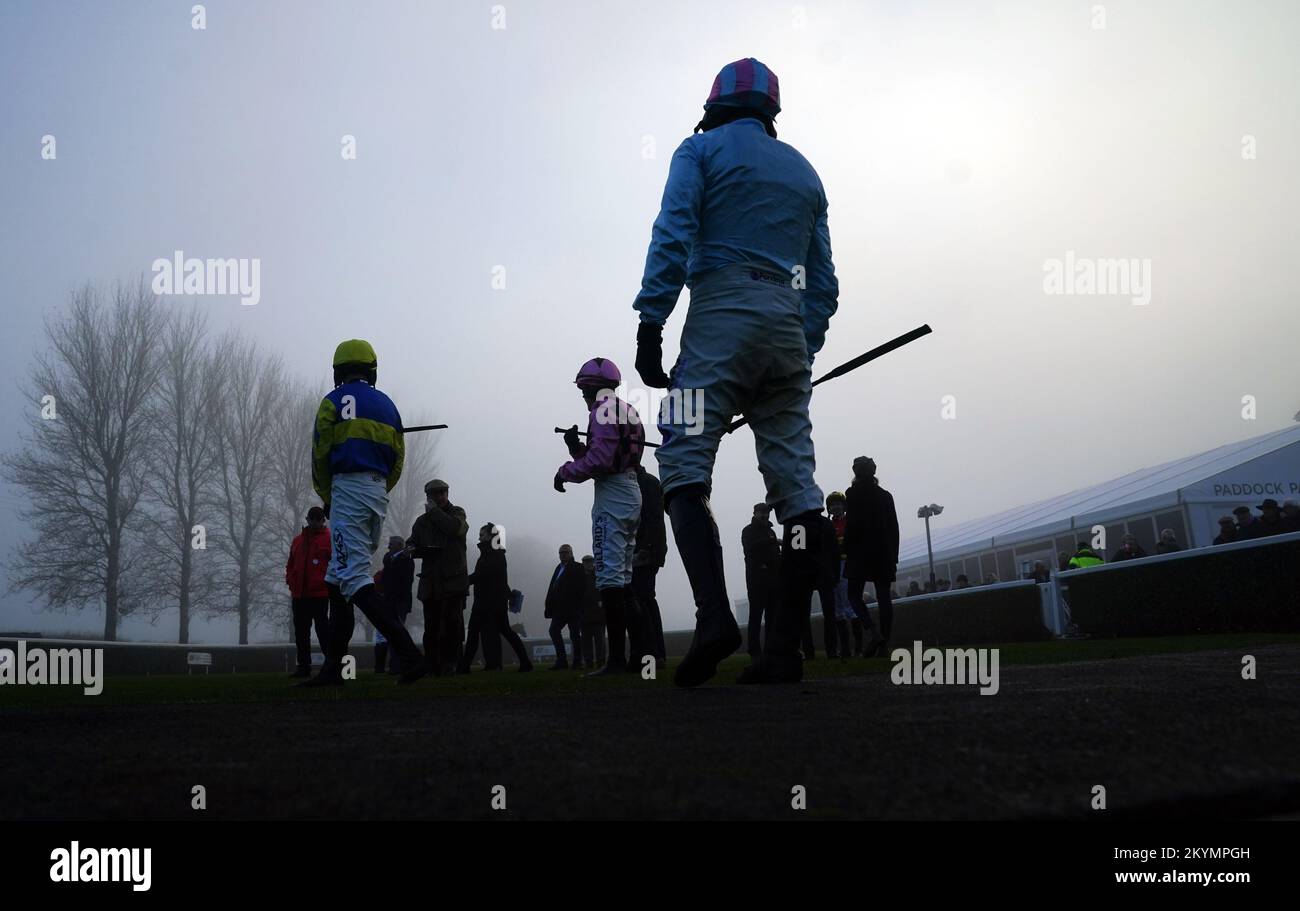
(924, 513)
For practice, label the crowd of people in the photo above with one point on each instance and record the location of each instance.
(1241, 525)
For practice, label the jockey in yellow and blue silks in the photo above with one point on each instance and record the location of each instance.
(357, 456)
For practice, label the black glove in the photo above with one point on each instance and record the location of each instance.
(571, 438)
(559, 482)
(650, 355)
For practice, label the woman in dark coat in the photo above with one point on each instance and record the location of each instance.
(871, 549)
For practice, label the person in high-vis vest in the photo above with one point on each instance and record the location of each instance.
(1085, 557)
(743, 225)
(357, 456)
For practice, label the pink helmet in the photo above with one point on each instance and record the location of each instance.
(598, 373)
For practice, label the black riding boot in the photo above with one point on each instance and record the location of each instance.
(615, 617)
(638, 629)
(781, 661)
(339, 626)
(716, 632)
(382, 617)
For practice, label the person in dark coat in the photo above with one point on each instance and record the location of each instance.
(871, 549)
(1271, 520)
(488, 618)
(593, 616)
(1129, 549)
(564, 608)
(395, 581)
(1291, 515)
(1168, 543)
(762, 555)
(304, 573)
(438, 540)
(1227, 531)
(647, 559)
(831, 574)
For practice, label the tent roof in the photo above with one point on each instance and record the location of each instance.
(1144, 488)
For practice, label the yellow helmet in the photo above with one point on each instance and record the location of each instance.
(355, 351)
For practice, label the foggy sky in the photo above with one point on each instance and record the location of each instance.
(961, 146)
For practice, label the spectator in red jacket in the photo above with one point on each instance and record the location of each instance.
(304, 573)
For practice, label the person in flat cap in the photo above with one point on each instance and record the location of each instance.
(1227, 531)
(438, 541)
(1247, 525)
(870, 550)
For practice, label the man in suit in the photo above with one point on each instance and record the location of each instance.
(564, 608)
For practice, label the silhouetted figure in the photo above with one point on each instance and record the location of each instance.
(1227, 531)
(832, 572)
(871, 548)
(1247, 525)
(1129, 549)
(647, 559)
(1168, 543)
(395, 581)
(304, 573)
(564, 608)
(1291, 515)
(762, 554)
(489, 617)
(593, 616)
(438, 540)
(1271, 521)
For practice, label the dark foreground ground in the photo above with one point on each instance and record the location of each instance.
(1176, 734)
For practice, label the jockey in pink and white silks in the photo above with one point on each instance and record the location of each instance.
(615, 441)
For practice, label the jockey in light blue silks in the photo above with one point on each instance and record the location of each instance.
(743, 225)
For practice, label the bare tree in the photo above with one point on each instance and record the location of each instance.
(82, 464)
(291, 458)
(185, 460)
(290, 474)
(251, 405)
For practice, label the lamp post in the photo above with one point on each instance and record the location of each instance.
(924, 513)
